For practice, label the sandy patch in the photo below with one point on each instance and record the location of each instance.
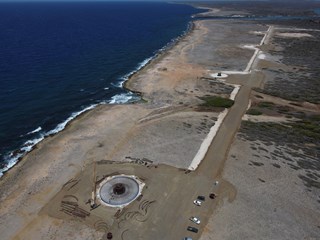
(262, 56)
(252, 47)
(258, 32)
(263, 118)
(294, 35)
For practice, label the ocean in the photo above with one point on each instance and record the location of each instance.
(60, 59)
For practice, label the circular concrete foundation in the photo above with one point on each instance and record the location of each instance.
(119, 190)
(219, 75)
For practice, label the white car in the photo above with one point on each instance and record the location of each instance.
(197, 202)
(195, 220)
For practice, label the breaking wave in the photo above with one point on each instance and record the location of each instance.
(35, 131)
(13, 157)
(123, 98)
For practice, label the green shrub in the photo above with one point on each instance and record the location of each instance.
(215, 101)
(253, 111)
(265, 104)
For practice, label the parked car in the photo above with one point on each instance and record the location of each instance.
(187, 238)
(195, 220)
(197, 202)
(201, 198)
(192, 229)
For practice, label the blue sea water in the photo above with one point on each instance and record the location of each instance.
(59, 59)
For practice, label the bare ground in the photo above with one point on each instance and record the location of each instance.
(274, 160)
(267, 190)
(172, 85)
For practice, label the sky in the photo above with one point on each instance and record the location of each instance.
(147, 0)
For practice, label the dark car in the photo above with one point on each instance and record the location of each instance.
(192, 229)
(212, 196)
(201, 198)
(187, 238)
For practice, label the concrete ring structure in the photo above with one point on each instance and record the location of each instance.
(119, 190)
(219, 75)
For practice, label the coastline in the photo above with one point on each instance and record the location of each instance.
(159, 139)
(52, 161)
(15, 156)
(161, 53)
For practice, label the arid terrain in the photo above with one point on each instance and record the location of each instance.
(231, 109)
(274, 160)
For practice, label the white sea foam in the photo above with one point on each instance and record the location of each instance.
(28, 145)
(117, 85)
(10, 164)
(62, 125)
(12, 158)
(148, 60)
(238, 16)
(139, 67)
(123, 98)
(35, 131)
(144, 63)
